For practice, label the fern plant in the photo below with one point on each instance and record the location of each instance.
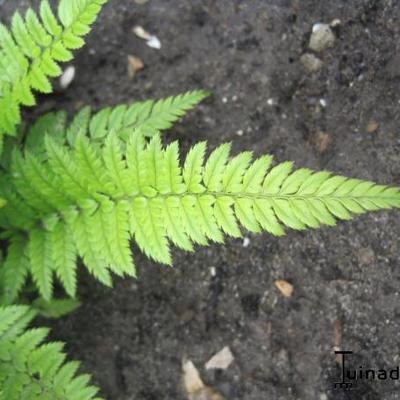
(30, 53)
(87, 189)
(32, 370)
(89, 199)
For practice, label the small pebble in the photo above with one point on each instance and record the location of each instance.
(310, 62)
(246, 242)
(271, 102)
(322, 102)
(222, 360)
(321, 38)
(154, 42)
(239, 132)
(224, 100)
(213, 271)
(67, 77)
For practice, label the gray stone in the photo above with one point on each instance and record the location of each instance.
(321, 38)
(310, 62)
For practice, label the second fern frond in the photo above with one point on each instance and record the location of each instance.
(31, 51)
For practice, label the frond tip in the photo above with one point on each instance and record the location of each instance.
(89, 201)
(32, 370)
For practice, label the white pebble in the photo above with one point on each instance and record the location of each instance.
(323, 102)
(271, 102)
(317, 26)
(67, 77)
(224, 100)
(239, 132)
(246, 242)
(213, 271)
(154, 42)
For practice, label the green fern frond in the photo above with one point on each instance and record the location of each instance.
(150, 116)
(30, 53)
(90, 201)
(34, 371)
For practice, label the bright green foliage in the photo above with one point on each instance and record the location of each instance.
(89, 201)
(150, 116)
(30, 53)
(31, 370)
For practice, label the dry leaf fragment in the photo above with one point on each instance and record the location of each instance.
(222, 360)
(372, 126)
(284, 287)
(191, 377)
(139, 31)
(195, 388)
(135, 64)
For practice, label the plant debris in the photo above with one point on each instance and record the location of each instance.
(372, 126)
(284, 287)
(195, 388)
(135, 64)
(152, 40)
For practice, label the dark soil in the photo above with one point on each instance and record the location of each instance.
(133, 338)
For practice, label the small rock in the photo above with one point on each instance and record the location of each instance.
(321, 38)
(372, 126)
(246, 242)
(67, 77)
(222, 360)
(135, 64)
(284, 287)
(310, 62)
(336, 22)
(239, 132)
(154, 42)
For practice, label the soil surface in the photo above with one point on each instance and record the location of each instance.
(345, 117)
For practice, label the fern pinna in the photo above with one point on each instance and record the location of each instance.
(87, 199)
(32, 370)
(31, 50)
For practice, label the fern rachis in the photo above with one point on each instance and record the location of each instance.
(95, 199)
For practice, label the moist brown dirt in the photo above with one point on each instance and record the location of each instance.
(247, 53)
